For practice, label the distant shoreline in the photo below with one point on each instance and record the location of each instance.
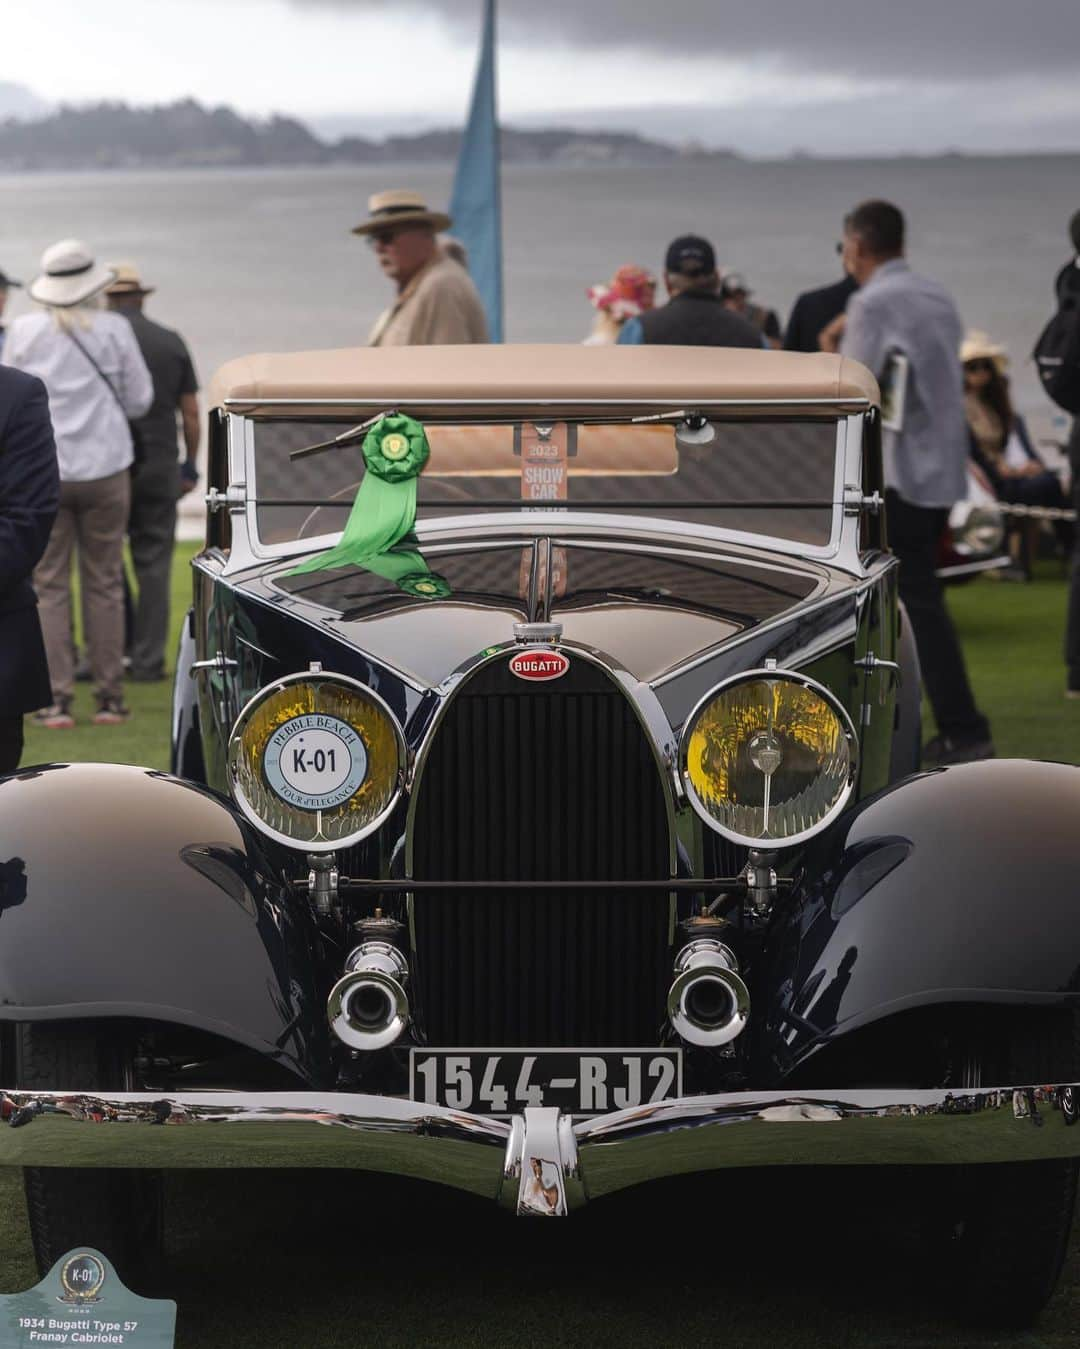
(1069, 157)
(116, 137)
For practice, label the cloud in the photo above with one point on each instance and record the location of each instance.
(918, 41)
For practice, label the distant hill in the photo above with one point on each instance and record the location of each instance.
(187, 134)
(18, 101)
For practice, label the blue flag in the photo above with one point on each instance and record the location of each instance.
(476, 206)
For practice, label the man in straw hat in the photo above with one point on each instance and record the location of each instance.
(437, 302)
(158, 478)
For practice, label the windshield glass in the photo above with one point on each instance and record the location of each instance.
(776, 478)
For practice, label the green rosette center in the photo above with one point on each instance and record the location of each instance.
(396, 448)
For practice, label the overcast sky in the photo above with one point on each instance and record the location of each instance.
(829, 76)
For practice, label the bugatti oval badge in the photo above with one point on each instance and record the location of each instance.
(539, 664)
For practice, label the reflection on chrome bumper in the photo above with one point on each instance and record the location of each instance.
(541, 1161)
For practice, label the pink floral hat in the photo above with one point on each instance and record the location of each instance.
(629, 292)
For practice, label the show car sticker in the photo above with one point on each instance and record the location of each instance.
(315, 762)
(539, 665)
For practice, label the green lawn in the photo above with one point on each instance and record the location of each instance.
(324, 1260)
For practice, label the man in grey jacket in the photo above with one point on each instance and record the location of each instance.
(906, 329)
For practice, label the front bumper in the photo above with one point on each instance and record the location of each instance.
(541, 1161)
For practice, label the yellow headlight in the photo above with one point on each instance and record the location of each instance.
(769, 758)
(316, 761)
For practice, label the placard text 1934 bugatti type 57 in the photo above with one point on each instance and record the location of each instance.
(544, 819)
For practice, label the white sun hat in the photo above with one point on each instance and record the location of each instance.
(69, 275)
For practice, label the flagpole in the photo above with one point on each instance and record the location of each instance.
(476, 202)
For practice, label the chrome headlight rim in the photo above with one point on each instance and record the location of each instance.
(248, 810)
(749, 677)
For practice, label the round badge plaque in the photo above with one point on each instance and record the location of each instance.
(82, 1278)
(315, 762)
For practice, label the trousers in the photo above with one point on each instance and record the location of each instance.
(151, 535)
(1072, 625)
(914, 533)
(93, 515)
(11, 743)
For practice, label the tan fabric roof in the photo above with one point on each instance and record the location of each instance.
(536, 376)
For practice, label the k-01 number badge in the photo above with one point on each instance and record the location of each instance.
(315, 762)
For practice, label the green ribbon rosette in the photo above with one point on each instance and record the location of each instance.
(395, 451)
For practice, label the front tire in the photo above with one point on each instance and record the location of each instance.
(1007, 1225)
(119, 1212)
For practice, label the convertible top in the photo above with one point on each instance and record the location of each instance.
(452, 379)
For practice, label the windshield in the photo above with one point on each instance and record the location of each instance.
(770, 477)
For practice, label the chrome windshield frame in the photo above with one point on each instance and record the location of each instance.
(841, 549)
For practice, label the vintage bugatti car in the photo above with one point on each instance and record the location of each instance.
(545, 818)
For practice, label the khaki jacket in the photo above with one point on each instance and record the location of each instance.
(439, 306)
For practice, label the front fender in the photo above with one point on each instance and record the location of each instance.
(956, 886)
(125, 892)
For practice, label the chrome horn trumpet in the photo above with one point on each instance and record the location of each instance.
(708, 1004)
(368, 1007)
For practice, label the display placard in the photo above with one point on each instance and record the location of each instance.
(82, 1301)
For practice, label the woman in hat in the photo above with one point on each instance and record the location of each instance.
(1001, 446)
(629, 293)
(96, 378)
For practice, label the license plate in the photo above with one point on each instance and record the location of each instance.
(577, 1081)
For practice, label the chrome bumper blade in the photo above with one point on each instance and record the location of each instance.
(539, 1162)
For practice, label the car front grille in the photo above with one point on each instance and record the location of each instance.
(540, 782)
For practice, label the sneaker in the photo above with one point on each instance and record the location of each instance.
(56, 717)
(943, 750)
(111, 712)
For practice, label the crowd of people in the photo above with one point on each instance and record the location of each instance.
(94, 394)
(90, 392)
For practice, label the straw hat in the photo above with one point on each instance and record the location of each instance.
(977, 346)
(69, 275)
(128, 281)
(400, 207)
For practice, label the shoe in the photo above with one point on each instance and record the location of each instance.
(943, 750)
(57, 717)
(1070, 692)
(111, 712)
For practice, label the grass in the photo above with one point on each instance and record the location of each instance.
(753, 1259)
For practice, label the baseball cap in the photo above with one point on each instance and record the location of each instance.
(690, 255)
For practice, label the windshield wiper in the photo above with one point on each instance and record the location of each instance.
(349, 437)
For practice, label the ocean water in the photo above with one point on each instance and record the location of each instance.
(261, 260)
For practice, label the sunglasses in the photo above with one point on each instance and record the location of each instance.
(979, 366)
(382, 237)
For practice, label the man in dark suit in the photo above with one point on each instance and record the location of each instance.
(815, 310)
(29, 498)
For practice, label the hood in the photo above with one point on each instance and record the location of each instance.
(649, 606)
